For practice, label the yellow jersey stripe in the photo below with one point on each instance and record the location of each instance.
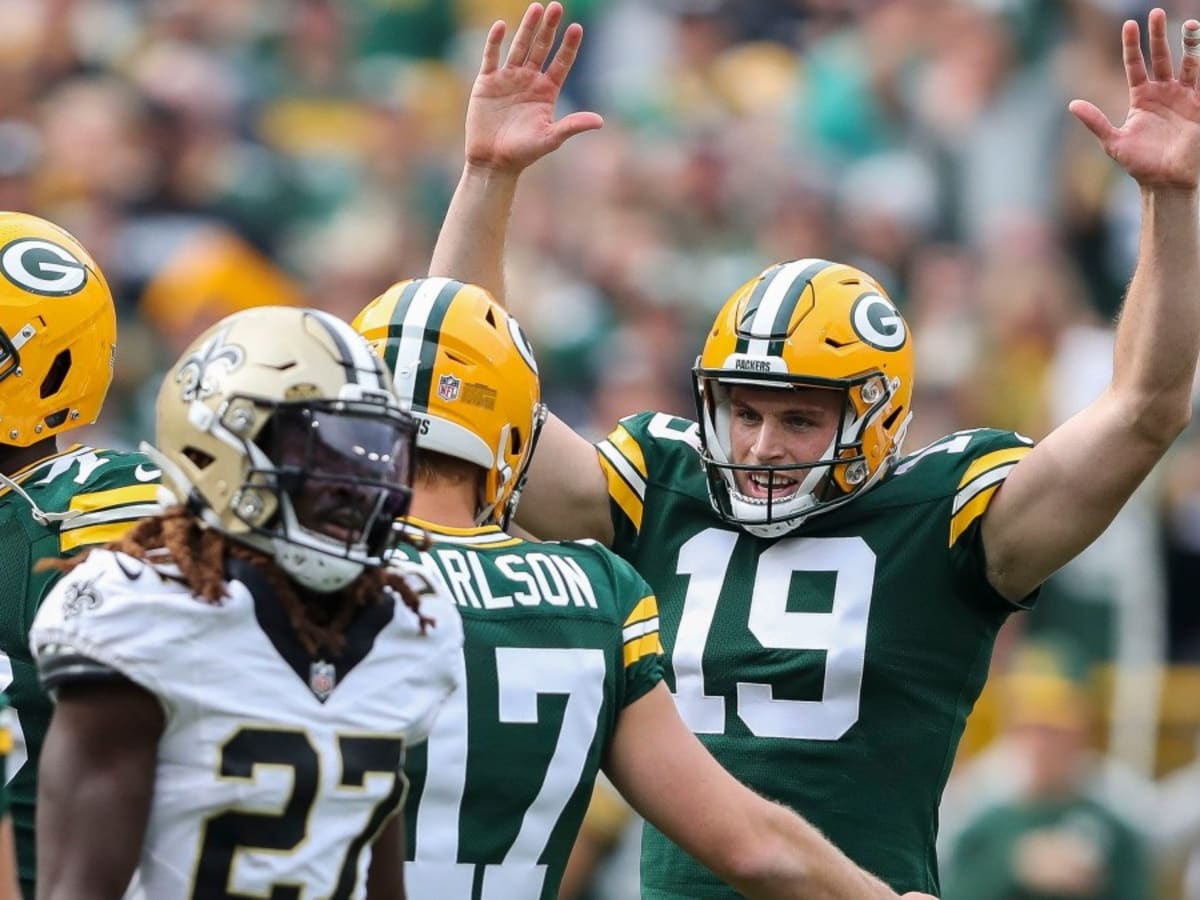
(93, 534)
(452, 530)
(629, 448)
(647, 645)
(480, 537)
(990, 461)
(624, 495)
(133, 493)
(647, 608)
(962, 519)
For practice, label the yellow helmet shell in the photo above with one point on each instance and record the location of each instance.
(467, 372)
(58, 331)
(813, 323)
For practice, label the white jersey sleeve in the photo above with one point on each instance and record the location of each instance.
(112, 616)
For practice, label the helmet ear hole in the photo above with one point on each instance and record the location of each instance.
(517, 441)
(199, 458)
(56, 375)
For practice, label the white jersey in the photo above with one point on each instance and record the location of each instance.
(274, 768)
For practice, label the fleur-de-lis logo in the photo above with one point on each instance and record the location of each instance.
(197, 371)
(80, 597)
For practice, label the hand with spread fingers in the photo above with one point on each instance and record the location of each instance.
(510, 116)
(1159, 142)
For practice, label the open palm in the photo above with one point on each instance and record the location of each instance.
(1159, 142)
(510, 116)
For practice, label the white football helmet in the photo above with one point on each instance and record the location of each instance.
(281, 429)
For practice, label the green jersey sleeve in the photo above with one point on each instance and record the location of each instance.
(645, 454)
(971, 466)
(107, 492)
(643, 646)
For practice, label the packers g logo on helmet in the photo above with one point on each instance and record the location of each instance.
(809, 323)
(467, 371)
(878, 323)
(42, 267)
(58, 331)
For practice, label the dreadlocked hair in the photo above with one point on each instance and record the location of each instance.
(200, 553)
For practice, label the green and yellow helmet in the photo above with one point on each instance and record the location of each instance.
(815, 324)
(466, 370)
(58, 331)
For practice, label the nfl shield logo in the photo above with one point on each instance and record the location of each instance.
(448, 387)
(322, 679)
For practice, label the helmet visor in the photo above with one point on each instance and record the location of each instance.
(347, 469)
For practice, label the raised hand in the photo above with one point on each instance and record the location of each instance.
(1159, 142)
(510, 116)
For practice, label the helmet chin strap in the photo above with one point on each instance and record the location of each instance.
(39, 515)
(307, 566)
(314, 570)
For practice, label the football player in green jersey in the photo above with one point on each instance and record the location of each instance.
(561, 653)
(828, 605)
(58, 330)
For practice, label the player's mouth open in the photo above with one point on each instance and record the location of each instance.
(342, 525)
(763, 485)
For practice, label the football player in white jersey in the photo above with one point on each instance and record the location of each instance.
(237, 678)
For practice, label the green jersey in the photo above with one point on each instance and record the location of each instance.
(559, 639)
(982, 863)
(831, 669)
(107, 491)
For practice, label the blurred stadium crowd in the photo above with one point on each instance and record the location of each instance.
(215, 154)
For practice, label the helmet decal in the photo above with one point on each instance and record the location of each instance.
(522, 344)
(42, 267)
(878, 322)
(196, 370)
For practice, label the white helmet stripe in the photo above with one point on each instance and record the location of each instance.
(412, 335)
(777, 291)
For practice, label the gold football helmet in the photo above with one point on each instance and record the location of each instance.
(58, 331)
(463, 365)
(280, 428)
(807, 323)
